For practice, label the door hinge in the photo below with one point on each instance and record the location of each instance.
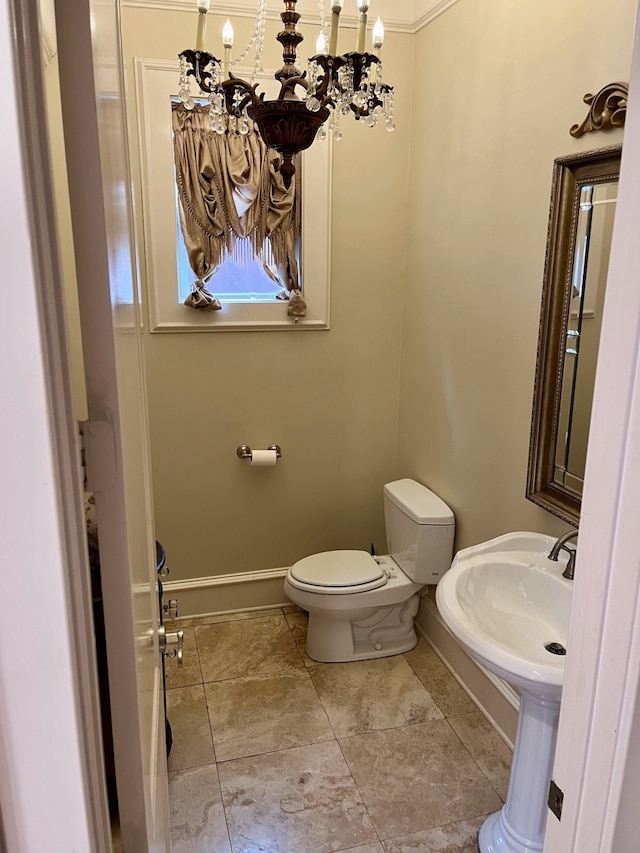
(171, 644)
(556, 798)
(79, 445)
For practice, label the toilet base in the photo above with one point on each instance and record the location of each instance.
(363, 634)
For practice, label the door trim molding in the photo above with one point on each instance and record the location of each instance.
(599, 712)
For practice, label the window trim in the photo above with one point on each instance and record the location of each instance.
(156, 83)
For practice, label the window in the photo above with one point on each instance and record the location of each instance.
(231, 282)
(167, 270)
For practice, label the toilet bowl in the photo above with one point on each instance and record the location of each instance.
(362, 607)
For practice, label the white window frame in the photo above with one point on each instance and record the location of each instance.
(156, 84)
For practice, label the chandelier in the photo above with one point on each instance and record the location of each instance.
(333, 86)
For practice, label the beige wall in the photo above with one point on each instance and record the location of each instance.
(496, 87)
(329, 398)
(65, 235)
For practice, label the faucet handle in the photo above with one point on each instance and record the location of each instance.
(570, 568)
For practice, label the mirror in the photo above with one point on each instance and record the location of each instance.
(583, 202)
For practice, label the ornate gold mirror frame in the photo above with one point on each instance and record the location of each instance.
(571, 175)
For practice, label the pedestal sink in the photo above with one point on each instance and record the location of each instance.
(509, 605)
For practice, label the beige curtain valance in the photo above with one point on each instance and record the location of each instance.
(233, 203)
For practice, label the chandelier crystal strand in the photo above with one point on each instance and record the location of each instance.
(314, 72)
(262, 25)
(323, 21)
(388, 100)
(184, 92)
(313, 77)
(217, 102)
(385, 93)
(344, 91)
(257, 39)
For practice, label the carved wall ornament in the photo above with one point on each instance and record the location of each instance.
(608, 109)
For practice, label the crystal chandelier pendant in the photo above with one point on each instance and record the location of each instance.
(349, 85)
(184, 91)
(333, 87)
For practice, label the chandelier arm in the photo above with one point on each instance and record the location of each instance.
(361, 63)
(197, 62)
(330, 65)
(239, 94)
(290, 84)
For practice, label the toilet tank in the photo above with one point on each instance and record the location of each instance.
(420, 529)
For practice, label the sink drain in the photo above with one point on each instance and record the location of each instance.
(556, 648)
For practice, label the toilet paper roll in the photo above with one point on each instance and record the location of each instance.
(263, 458)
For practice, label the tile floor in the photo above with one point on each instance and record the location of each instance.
(275, 753)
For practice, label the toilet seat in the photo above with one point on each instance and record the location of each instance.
(337, 573)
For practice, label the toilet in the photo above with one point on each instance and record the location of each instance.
(363, 607)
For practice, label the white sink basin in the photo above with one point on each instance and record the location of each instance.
(506, 601)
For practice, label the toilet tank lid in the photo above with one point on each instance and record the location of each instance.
(419, 503)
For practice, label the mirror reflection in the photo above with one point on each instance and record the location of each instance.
(597, 204)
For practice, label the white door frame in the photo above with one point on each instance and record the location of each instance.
(599, 717)
(116, 434)
(52, 788)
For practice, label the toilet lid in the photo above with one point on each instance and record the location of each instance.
(338, 571)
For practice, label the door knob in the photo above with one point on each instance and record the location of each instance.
(171, 643)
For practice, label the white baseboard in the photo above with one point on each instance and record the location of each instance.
(225, 593)
(497, 700)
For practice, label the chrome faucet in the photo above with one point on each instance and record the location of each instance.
(560, 545)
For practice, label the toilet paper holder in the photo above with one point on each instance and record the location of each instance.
(244, 451)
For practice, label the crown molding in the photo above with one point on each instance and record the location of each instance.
(429, 11)
(404, 17)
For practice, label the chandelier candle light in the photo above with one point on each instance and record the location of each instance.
(334, 86)
(363, 7)
(336, 8)
(227, 41)
(201, 34)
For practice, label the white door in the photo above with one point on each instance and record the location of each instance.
(52, 794)
(116, 436)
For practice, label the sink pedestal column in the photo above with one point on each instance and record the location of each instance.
(519, 826)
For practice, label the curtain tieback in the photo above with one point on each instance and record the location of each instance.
(202, 299)
(297, 305)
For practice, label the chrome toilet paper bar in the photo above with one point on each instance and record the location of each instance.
(244, 451)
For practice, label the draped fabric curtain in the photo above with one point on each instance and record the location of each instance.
(233, 203)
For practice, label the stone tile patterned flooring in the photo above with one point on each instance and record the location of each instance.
(276, 753)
